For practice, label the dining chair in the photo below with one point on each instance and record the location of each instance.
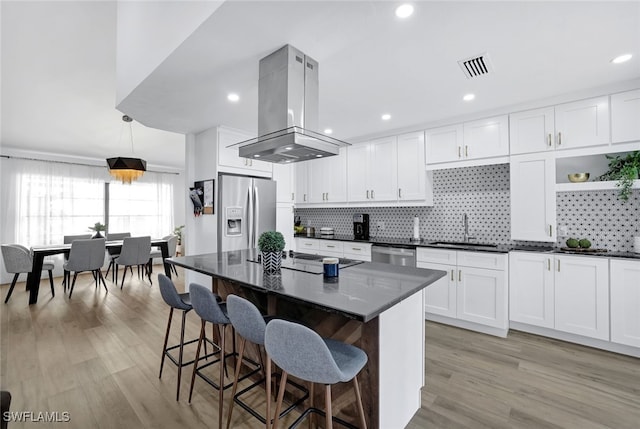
(172, 243)
(86, 255)
(114, 253)
(68, 239)
(135, 251)
(17, 260)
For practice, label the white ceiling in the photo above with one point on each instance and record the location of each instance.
(58, 76)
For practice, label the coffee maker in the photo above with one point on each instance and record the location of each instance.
(361, 226)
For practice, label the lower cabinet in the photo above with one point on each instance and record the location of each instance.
(474, 289)
(339, 249)
(625, 302)
(561, 292)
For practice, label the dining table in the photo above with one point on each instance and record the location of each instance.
(38, 254)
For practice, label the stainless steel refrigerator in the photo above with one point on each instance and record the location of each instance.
(247, 209)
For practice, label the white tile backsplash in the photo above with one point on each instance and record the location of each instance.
(483, 193)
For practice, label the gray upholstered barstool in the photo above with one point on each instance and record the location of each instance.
(301, 352)
(250, 325)
(178, 301)
(17, 260)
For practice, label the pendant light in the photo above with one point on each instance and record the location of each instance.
(124, 169)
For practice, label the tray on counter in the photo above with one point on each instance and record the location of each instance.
(580, 250)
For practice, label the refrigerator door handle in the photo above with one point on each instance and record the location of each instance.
(256, 217)
(249, 220)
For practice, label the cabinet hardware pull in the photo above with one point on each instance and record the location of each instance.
(452, 278)
(328, 245)
(459, 152)
(466, 151)
(367, 194)
(399, 192)
(550, 230)
(327, 196)
(292, 196)
(460, 275)
(372, 194)
(304, 197)
(308, 244)
(548, 264)
(356, 248)
(549, 139)
(558, 265)
(559, 138)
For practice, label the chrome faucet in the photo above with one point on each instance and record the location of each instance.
(465, 221)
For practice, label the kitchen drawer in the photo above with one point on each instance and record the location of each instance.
(330, 246)
(358, 251)
(307, 245)
(436, 256)
(492, 261)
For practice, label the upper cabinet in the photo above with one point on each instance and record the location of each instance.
(322, 181)
(228, 159)
(475, 140)
(625, 116)
(579, 124)
(284, 178)
(373, 171)
(414, 183)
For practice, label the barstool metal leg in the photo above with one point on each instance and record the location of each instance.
(327, 404)
(243, 342)
(166, 341)
(222, 372)
(195, 366)
(283, 385)
(356, 386)
(184, 317)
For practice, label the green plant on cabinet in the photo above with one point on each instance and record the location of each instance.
(625, 170)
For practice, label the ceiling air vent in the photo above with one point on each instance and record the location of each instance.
(476, 66)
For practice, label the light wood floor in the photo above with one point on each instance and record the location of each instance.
(97, 356)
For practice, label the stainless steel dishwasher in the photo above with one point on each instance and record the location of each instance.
(394, 255)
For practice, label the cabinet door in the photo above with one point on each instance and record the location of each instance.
(336, 177)
(284, 224)
(308, 245)
(357, 169)
(533, 197)
(302, 183)
(443, 144)
(284, 178)
(411, 168)
(531, 288)
(582, 296)
(228, 154)
(531, 131)
(625, 302)
(383, 170)
(317, 179)
(481, 296)
(582, 123)
(625, 116)
(440, 296)
(486, 138)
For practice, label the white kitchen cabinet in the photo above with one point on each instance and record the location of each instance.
(339, 249)
(443, 144)
(357, 251)
(301, 193)
(474, 290)
(486, 138)
(583, 123)
(533, 197)
(283, 174)
(284, 224)
(413, 182)
(531, 288)
(625, 116)
(308, 245)
(532, 131)
(373, 171)
(228, 154)
(327, 179)
(625, 302)
(582, 296)
(331, 248)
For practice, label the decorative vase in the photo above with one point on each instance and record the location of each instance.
(272, 281)
(271, 261)
(97, 235)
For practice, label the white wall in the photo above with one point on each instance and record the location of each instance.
(147, 32)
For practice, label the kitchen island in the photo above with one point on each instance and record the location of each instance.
(377, 307)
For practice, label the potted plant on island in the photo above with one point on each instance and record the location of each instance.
(271, 244)
(625, 171)
(98, 228)
(178, 231)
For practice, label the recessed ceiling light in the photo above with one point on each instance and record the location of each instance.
(404, 10)
(621, 59)
(318, 156)
(256, 156)
(233, 97)
(386, 117)
(288, 148)
(328, 131)
(468, 97)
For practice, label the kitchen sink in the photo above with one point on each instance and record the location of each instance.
(461, 244)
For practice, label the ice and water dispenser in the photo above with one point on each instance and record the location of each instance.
(233, 221)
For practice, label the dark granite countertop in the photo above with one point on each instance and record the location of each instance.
(360, 292)
(500, 248)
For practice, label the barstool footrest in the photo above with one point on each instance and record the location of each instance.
(323, 414)
(227, 356)
(174, 360)
(290, 408)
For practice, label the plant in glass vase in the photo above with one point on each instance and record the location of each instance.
(178, 232)
(97, 229)
(625, 171)
(271, 244)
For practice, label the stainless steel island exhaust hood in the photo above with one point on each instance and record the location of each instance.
(288, 111)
